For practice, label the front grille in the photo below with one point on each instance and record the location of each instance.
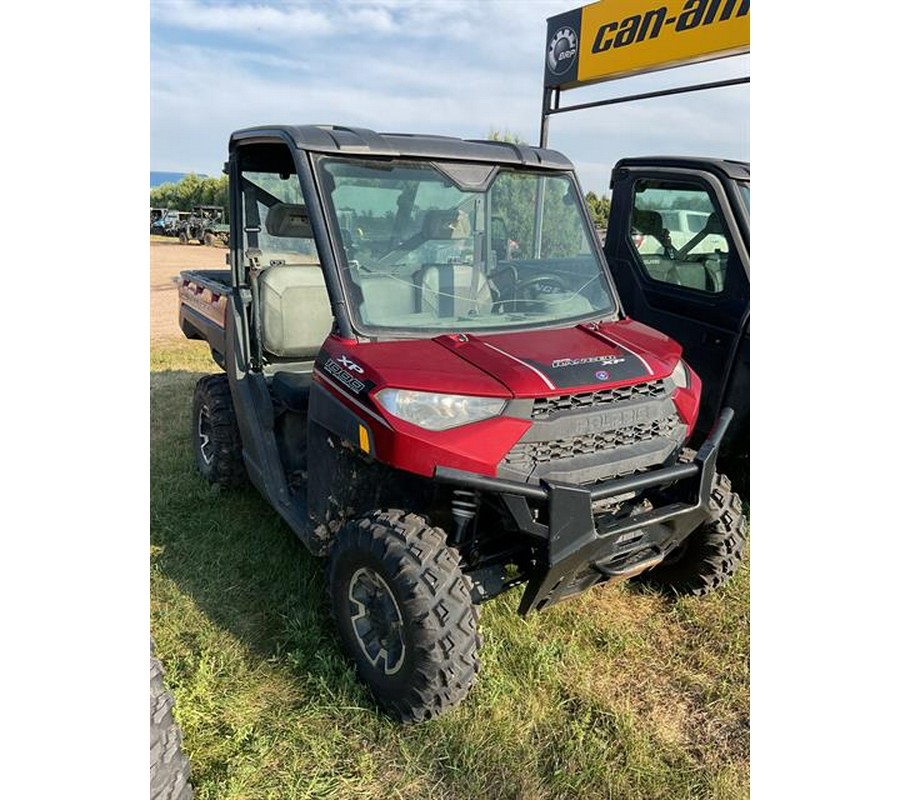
(547, 406)
(526, 455)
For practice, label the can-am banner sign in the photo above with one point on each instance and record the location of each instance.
(614, 38)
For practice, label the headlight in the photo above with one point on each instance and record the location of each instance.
(680, 375)
(438, 412)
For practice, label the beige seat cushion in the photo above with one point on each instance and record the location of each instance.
(447, 291)
(385, 299)
(295, 313)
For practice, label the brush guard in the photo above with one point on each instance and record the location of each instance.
(578, 549)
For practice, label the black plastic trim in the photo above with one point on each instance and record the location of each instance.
(575, 550)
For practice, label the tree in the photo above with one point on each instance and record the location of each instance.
(190, 191)
(507, 136)
(562, 230)
(599, 208)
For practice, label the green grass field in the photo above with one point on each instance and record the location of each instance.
(619, 693)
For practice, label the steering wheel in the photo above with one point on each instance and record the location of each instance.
(536, 280)
(517, 303)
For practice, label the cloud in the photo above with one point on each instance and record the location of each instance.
(454, 67)
(255, 19)
(489, 27)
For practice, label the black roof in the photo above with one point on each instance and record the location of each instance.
(362, 141)
(734, 170)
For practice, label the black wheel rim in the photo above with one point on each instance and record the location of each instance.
(204, 434)
(376, 621)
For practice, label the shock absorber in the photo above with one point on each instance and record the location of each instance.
(464, 506)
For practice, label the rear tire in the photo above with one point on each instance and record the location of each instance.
(170, 770)
(711, 555)
(183, 238)
(404, 613)
(209, 240)
(217, 440)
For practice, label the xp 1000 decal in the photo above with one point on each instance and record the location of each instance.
(346, 372)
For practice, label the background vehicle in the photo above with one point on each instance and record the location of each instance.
(169, 223)
(678, 246)
(205, 224)
(442, 415)
(156, 215)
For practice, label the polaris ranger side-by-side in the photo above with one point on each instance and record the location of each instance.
(429, 376)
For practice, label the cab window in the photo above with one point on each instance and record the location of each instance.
(679, 235)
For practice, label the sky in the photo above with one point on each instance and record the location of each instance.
(451, 67)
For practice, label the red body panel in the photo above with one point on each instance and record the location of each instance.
(420, 364)
(530, 364)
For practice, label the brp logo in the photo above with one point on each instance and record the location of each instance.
(563, 48)
(601, 375)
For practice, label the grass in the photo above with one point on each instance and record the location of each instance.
(618, 693)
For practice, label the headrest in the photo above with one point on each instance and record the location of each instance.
(647, 222)
(450, 224)
(289, 220)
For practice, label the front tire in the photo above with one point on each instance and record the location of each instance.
(404, 613)
(710, 556)
(217, 440)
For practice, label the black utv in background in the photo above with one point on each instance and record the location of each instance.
(678, 246)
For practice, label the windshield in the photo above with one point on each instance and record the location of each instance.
(435, 247)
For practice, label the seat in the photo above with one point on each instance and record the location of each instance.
(386, 299)
(450, 290)
(449, 224)
(295, 312)
(453, 290)
(650, 223)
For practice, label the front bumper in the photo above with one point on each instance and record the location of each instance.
(577, 549)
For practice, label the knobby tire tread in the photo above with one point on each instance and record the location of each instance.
(227, 466)
(170, 770)
(712, 553)
(438, 597)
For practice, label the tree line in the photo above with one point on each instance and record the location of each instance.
(192, 190)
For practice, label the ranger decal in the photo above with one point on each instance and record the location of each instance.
(571, 362)
(570, 373)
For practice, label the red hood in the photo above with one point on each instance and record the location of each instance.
(528, 364)
(536, 363)
(418, 364)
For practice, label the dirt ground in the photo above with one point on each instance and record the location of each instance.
(167, 259)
